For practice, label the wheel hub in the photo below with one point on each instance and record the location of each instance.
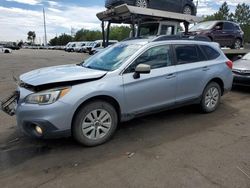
(97, 123)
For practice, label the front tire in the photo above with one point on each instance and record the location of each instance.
(95, 123)
(141, 3)
(237, 44)
(211, 97)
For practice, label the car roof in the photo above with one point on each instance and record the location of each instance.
(216, 21)
(151, 41)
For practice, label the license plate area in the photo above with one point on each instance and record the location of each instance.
(9, 104)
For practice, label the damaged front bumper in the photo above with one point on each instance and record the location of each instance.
(9, 104)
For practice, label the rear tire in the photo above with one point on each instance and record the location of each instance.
(211, 97)
(141, 3)
(95, 123)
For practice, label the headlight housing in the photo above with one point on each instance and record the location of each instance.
(47, 97)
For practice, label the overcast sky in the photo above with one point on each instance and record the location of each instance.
(17, 17)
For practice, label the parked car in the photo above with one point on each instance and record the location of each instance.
(129, 79)
(226, 33)
(98, 46)
(241, 71)
(79, 46)
(87, 47)
(179, 6)
(67, 45)
(70, 47)
(5, 50)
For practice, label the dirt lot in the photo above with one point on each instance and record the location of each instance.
(178, 148)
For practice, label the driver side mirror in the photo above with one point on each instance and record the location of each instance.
(141, 69)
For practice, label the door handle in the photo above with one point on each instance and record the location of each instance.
(170, 76)
(205, 68)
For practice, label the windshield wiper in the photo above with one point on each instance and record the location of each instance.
(80, 64)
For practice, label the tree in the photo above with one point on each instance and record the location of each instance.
(20, 44)
(31, 36)
(222, 14)
(119, 32)
(61, 40)
(87, 35)
(242, 16)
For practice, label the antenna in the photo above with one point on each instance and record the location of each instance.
(45, 32)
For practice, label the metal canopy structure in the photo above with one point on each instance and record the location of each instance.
(124, 13)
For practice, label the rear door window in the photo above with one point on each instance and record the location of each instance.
(210, 52)
(189, 54)
(228, 26)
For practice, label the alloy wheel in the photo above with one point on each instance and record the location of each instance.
(237, 44)
(187, 10)
(96, 124)
(141, 3)
(212, 97)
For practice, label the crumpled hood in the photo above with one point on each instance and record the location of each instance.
(241, 64)
(59, 74)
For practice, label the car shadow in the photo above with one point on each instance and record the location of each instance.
(241, 89)
(131, 137)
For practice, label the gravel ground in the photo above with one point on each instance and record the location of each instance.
(177, 148)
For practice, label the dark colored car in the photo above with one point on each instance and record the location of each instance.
(241, 71)
(179, 6)
(227, 34)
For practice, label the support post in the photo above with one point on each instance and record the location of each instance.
(133, 25)
(103, 33)
(186, 25)
(107, 37)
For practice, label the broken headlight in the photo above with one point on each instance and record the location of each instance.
(47, 97)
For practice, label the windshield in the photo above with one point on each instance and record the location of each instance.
(111, 58)
(203, 26)
(149, 29)
(246, 57)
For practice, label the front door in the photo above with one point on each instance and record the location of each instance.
(154, 90)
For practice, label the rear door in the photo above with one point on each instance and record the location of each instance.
(228, 33)
(154, 90)
(191, 70)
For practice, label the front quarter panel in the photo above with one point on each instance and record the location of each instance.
(107, 86)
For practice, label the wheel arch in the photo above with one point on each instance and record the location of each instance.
(111, 100)
(220, 82)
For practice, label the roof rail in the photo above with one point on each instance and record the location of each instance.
(182, 37)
